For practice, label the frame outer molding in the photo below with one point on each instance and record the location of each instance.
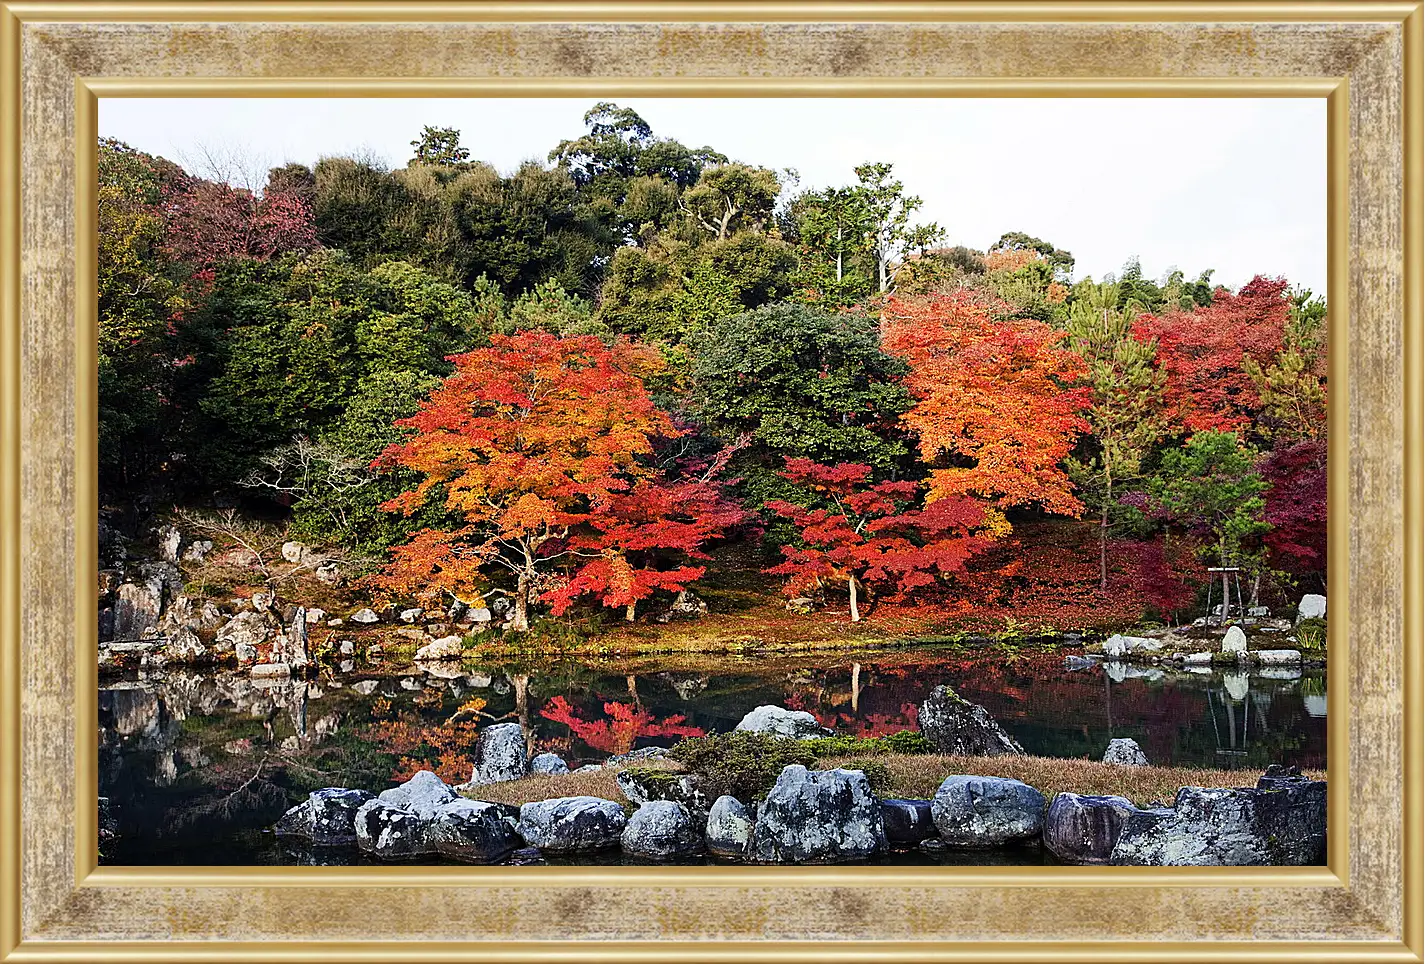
(59, 55)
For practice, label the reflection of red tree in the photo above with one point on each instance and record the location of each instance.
(625, 724)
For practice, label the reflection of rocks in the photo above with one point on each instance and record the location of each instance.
(687, 686)
(1236, 686)
(778, 721)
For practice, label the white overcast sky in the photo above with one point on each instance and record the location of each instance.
(1238, 185)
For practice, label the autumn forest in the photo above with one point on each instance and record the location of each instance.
(573, 385)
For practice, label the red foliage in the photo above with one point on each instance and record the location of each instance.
(532, 441)
(870, 535)
(1201, 353)
(1296, 507)
(625, 724)
(634, 531)
(208, 222)
(999, 395)
(1046, 577)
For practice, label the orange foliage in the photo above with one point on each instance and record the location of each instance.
(525, 441)
(446, 749)
(996, 400)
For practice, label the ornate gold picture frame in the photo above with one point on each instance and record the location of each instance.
(56, 904)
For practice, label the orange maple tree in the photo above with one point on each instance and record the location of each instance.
(998, 404)
(526, 442)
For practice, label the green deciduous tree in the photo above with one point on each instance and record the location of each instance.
(802, 382)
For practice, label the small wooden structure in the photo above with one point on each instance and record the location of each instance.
(1230, 577)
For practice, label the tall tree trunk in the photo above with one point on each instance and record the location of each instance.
(1103, 531)
(855, 613)
(521, 620)
(838, 253)
(855, 687)
(630, 611)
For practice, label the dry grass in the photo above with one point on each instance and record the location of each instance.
(595, 783)
(918, 777)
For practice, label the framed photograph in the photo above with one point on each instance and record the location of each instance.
(711, 482)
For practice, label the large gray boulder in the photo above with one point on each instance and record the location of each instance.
(907, 822)
(572, 824)
(973, 811)
(327, 817)
(661, 830)
(500, 754)
(1125, 752)
(472, 830)
(1283, 825)
(729, 828)
(1083, 829)
(957, 726)
(779, 721)
(136, 610)
(243, 634)
(641, 784)
(822, 816)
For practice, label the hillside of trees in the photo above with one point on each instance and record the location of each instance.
(585, 384)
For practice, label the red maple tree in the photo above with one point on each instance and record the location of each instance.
(998, 405)
(870, 535)
(1202, 353)
(1296, 507)
(207, 222)
(635, 533)
(529, 440)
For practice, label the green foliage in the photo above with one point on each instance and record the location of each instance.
(1311, 634)
(804, 383)
(740, 763)
(900, 742)
(138, 297)
(439, 147)
(1211, 486)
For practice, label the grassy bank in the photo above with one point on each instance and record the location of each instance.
(917, 776)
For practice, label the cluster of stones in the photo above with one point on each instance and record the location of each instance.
(821, 816)
(1170, 647)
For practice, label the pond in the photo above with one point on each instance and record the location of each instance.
(196, 766)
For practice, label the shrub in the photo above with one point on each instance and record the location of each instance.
(1311, 634)
(741, 763)
(902, 741)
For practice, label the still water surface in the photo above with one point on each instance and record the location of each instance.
(197, 766)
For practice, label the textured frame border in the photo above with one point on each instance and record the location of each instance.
(59, 57)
